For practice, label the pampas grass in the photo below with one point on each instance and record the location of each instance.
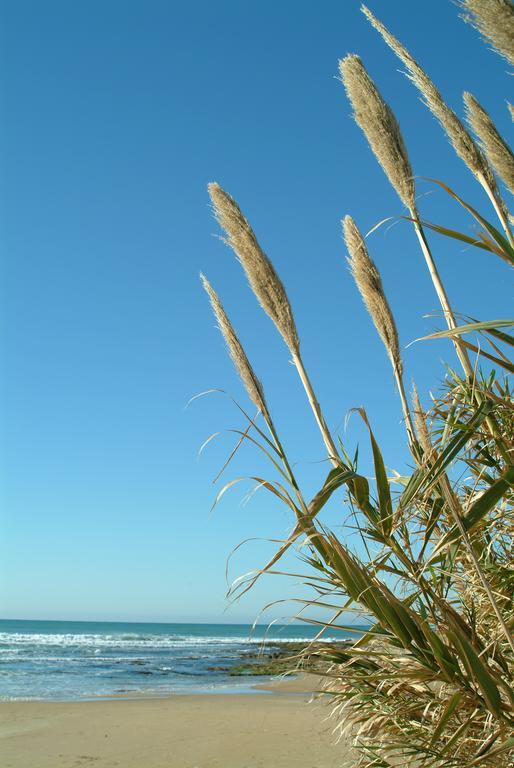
(457, 134)
(382, 131)
(369, 283)
(429, 684)
(380, 127)
(460, 139)
(235, 349)
(270, 292)
(494, 146)
(494, 19)
(260, 272)
(420, 423)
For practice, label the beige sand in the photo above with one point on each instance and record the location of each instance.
(279, 730)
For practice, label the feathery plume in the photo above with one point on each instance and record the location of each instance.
(260, 272)
(369, 283)
(235, 349)
(421, 424)
(494, 19)
(380, 127)
(496, 149)
(270, 292)
(460, 139)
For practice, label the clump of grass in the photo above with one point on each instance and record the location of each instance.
(429, 684)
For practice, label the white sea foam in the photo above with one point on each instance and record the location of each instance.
(18, 639)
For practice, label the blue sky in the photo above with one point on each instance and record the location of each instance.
(115, 117)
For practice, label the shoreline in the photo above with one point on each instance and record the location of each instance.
(298, 683)
(181, 731)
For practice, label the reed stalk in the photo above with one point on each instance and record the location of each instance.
(270, 292)
(440, 291)
(377, 121)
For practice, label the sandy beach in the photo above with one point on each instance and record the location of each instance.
(275, 730)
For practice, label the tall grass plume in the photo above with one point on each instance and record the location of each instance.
(235, 349)
(260, 272)
(494, 19)
(494, 146)
(380, 127)
(457, 134)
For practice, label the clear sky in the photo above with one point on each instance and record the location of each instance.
(115, 116)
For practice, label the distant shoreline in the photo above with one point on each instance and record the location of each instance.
(70, 661)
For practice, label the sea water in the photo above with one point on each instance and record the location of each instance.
(64, 660)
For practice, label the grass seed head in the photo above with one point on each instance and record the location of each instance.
(496, 149)
(421, 424)
(369, 283)
(260, 272)
(380, 127)
(494, 19)
(459, 137)
(235, 349)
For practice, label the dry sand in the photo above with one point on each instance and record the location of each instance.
(265, 730)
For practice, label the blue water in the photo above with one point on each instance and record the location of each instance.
(63, 660)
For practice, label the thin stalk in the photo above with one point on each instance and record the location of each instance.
(498, 209)
(316, 409)
(450, 320)
(305, 520)
(441, 293)
(405, 407)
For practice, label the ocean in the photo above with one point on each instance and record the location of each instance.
(67, 660)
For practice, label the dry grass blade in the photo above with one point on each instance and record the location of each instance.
(235, 349)
(380, 127)
(495, 147)
(260, 272)
(494, 19)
